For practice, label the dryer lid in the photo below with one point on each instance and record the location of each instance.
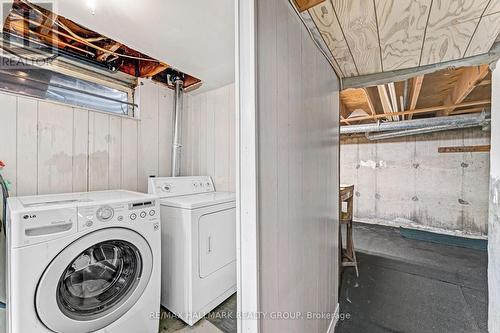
(199, 200)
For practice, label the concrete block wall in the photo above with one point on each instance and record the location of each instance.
(406, 182)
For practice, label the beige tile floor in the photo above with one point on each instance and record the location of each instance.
(168, 324)
(203, 326)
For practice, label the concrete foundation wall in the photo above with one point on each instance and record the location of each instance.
(406, 182)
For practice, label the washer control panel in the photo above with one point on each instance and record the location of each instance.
(118, 213)
(175, 186)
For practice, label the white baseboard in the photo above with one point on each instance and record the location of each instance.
(335, 319)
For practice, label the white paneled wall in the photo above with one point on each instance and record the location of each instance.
(53, 148)
(208, 137)
(298, 156)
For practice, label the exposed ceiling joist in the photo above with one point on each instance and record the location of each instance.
(386, 104)
(416, 86)
(103, 56)
(469, 79)
(394, 99)
(369, 102)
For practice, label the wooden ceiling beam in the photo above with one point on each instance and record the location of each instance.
(431, 109)
(386, 104)
(465, 84)
(416, 86)
(394, 100)
(103, 56)
(369, 102)
(344, 110)
(303, 5)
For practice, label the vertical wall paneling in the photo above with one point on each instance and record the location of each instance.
(129, 154)
(165, 127)
(297, 171)
(186, 142)
(114, 139)
(55, 148)
(27, 145)
(80, 150)
(222, 140)
(202, 135)
(148, 134)
(209, 137)
(211, 108)
(8, 121)
(98, 151)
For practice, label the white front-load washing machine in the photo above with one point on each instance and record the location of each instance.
(198, 245)
(83, 262)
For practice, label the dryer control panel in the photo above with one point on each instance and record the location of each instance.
(165, 187)
(116, 213)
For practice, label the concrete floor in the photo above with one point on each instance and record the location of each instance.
(413, 286)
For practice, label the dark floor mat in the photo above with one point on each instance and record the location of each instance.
(224, 316)
(388, 298)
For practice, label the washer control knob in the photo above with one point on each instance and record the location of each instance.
(105, 213)
(152, 212)
(133, 216)
(89, 223)
(166, 187)
(143, 214)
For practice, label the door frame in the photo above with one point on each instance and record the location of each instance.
(246, 168)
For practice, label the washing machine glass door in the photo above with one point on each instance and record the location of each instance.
(94, 281)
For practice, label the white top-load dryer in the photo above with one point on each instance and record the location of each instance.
(83, 262)
(198, 245)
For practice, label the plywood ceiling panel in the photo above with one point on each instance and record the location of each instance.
(447, 43)
(367, 37)
(446, 13)
(401, 25)
(359, 25)
(328, 25)
(493, 7)
(485, 35)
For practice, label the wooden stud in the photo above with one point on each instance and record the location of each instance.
(465, 149)
(369, 102)
(415, 92)
(386, 104)
(464, 86)
(394, 100)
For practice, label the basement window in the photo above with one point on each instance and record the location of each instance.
(58, 87)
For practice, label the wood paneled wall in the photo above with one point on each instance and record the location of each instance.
(208, 137)
(53, 148)
(298, 112)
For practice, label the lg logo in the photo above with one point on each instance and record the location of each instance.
(29, 217)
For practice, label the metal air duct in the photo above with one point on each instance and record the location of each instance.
(178, 82)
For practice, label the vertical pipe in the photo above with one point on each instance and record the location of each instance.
(177, 135)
